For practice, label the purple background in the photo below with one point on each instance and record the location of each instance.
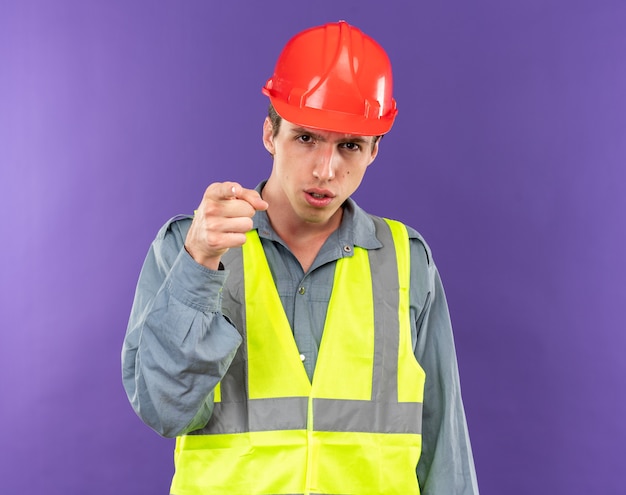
(508, 154)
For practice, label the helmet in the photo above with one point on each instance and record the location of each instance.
(336, 78)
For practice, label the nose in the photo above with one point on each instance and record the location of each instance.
(325, 164)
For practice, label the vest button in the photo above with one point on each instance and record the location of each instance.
(301, 291)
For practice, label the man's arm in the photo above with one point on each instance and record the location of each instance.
(446, 465)
(178, 345)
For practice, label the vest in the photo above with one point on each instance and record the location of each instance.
(356, 429)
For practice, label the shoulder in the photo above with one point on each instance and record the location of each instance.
(366, 228)
(175, 228)
(170, 239)
(418, 245)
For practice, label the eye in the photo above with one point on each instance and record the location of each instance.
(305, 138)
(351, 146)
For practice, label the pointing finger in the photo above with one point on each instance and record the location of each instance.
(236, 191)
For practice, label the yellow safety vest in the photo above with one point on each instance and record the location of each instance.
(356, 429)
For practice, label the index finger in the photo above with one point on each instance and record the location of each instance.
(250, 196)
(228, 190)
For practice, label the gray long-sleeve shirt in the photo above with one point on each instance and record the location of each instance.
(178, 344)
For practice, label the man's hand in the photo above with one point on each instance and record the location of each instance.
(221, 221)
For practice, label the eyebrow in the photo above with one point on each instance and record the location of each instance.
(348, 138)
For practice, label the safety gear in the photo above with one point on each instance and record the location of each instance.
(356, 428)
(336, 78)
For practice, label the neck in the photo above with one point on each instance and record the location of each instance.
(297, 231)
(304, 238)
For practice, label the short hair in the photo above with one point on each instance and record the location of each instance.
(276, 119)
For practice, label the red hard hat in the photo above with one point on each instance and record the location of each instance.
(336, 78)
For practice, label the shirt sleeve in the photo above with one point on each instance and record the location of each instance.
(178, 345)
(446, 465)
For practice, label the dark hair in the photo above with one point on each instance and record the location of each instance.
(276, 119)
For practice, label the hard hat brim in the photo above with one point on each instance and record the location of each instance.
(333, 121)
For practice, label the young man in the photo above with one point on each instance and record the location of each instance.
(291, 342)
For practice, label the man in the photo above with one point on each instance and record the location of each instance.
(290, 341)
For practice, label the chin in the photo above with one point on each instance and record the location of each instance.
(318, 217)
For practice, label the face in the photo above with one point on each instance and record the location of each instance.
(314, 171)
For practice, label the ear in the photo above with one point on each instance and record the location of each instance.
(268, 136)
(375, 150)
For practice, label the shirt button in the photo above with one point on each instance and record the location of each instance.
(347, 248)
(302, 357)
(301, 291)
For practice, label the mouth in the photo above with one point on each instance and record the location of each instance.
(319, 193)
(319, 197)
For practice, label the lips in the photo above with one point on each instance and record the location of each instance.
(318, 192)
(319, 197)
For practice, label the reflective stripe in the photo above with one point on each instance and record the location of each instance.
(289, 413)
(385, 286)
(283, 413)
(227, 417)
(366, 416)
